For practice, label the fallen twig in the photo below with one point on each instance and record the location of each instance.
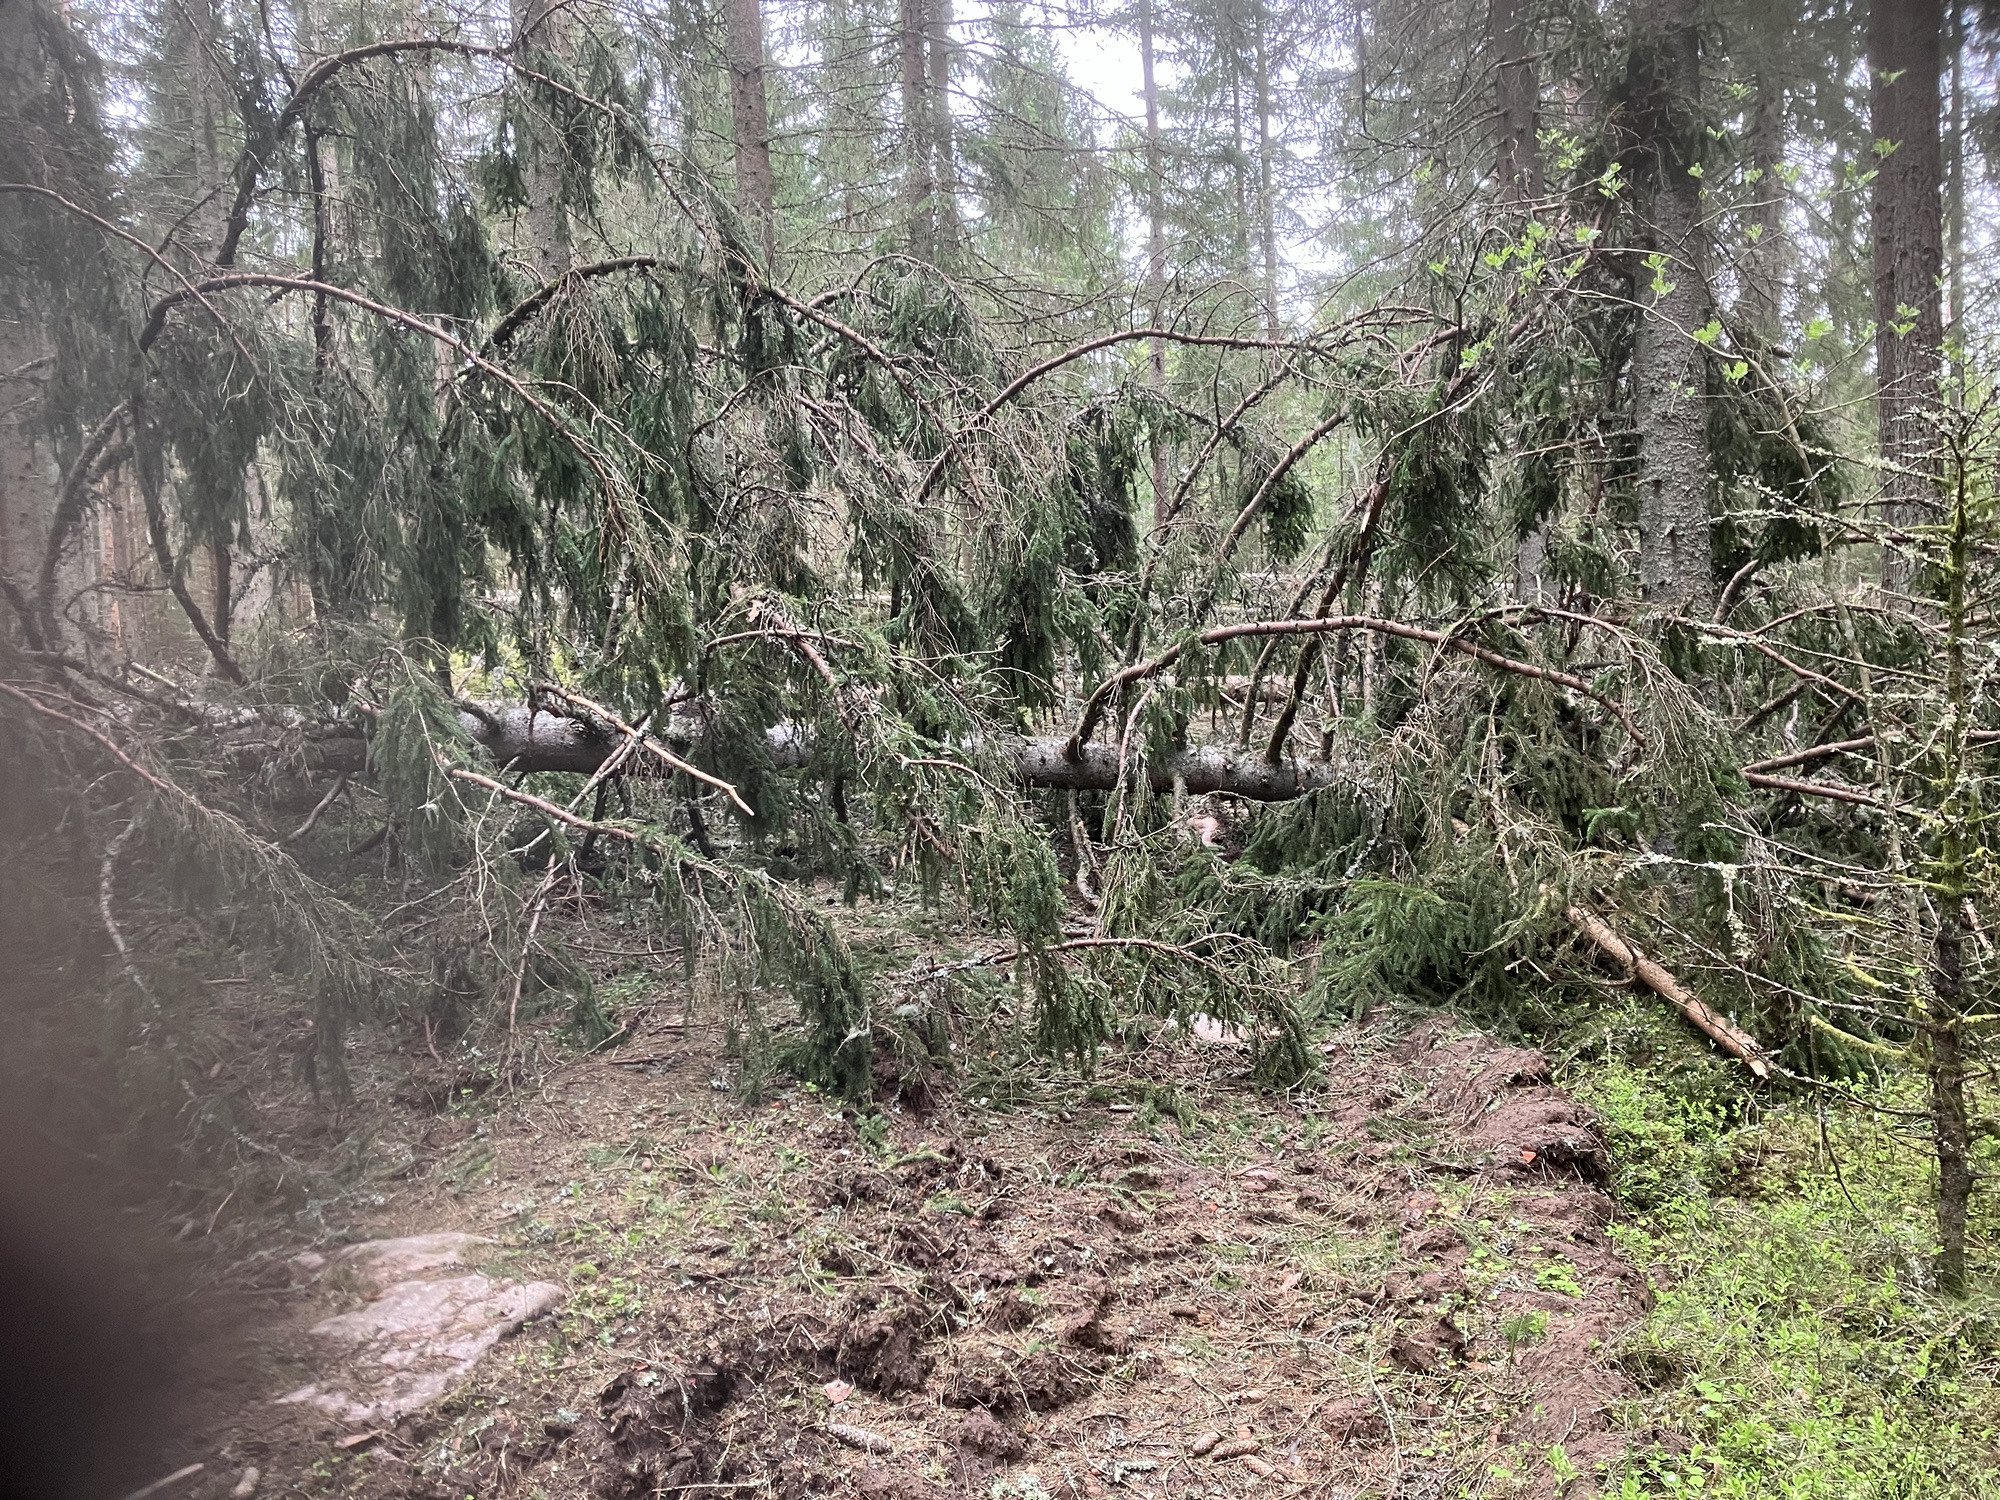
(159, 1484)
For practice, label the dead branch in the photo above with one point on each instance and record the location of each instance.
(1731, 1038)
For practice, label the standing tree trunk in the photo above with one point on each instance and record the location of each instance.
(1904, 61)
(944, 171)
(1669, 377)
(1517, 173)
(1956, 837)
(918, 186)
(1267, 207)
(750, 114)
(1156, 245)
(1516, 102)
(1766, 263)
(538, 29)
(27, 487)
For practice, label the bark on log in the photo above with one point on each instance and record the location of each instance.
(1730, 1037)
(543, 741)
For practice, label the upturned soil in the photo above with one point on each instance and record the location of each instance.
(1163, 1283)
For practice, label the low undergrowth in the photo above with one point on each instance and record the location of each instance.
(1798, 1346)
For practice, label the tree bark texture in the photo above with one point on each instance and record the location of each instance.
(1950, 1121)
(1267, 206)
(539, 27)
(1516, 103)
(1156, 245)
(1669, 377)
(1905, 53)
(1765, 266)
(917, 135)
(538, 740)
(944, 166)
(750, 113)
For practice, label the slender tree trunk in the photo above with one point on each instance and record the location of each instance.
(1239, 162)
(1156, 245)
(944, 171)
(1267, 208)
(1517, 104)
(1904, 62)
(1949, 885)
(750, 113)
(1955, 206)
(198, 51)
(918, 185)
(1669, 377)
(1517, 172)
(1765, 265)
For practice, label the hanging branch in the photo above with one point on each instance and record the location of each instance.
(163, 553)
(1444, 640)
(68, 514)
(1055, 362)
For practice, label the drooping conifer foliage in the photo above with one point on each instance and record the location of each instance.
(665, 456)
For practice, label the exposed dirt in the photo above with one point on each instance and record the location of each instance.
(1399, 1283)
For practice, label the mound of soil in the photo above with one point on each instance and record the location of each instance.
(1411, 1261)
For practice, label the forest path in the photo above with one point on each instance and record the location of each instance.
(1400, 1283)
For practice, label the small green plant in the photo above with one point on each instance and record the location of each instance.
(1529, 1326)
(1559, 1275)
(1565, 1472)
(872, 1131)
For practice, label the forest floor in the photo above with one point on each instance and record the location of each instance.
(1156, 1281)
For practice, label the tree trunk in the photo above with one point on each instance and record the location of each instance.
(750, 113)
(1156, 245)
(1904, 60)
(27, 478)
(1669, 377)
(1950, 1122)
(944, 169)
(1517, 172)
(1517, 164)
(1765, 263)
(918, 186)
(539, 26)
(1267, 208)
(543, 741)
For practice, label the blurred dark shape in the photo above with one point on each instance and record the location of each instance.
(92, 1322)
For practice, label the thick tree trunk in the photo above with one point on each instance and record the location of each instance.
(1669, 377)
(750, 113)
(1517, 164)
(1905, 53)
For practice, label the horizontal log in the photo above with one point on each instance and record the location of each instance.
(539, 740)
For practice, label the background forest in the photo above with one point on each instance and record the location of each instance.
(1239, 516)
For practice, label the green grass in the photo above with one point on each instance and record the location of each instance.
(1797, 1347)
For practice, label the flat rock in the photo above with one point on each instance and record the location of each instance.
(377, 1265)
(419, 1335)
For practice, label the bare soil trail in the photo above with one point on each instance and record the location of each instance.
(1161, 1284)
